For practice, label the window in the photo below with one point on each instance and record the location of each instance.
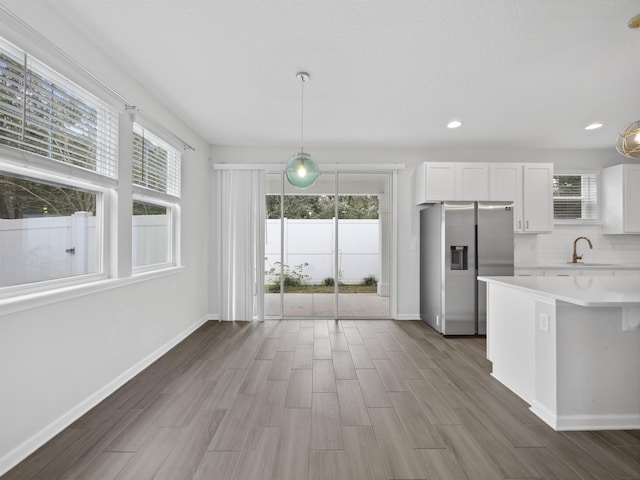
(156, 164)
(47, 231)
(58, 158)
(575, 197)
(156, 182)
(151, 235)
(44, 113)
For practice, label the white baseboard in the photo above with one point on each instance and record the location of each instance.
(408, 316)
(598, 422)
(26, 448)
(586, 422)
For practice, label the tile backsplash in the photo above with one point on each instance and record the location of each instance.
(557, 247)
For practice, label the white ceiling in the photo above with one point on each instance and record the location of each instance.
(388, 73)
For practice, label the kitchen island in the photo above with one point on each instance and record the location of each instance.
(569, 347)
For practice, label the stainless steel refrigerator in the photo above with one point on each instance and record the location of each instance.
(458, 242)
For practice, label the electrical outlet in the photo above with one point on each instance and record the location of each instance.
(438, 320)
(544, 322)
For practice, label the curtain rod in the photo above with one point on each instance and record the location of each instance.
(128, 104)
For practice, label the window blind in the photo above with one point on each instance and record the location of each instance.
(44, 113)
(156, 164)
(575, 197)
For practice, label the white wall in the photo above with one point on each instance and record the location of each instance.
(408, 217)
(557, 247)
(55, 358)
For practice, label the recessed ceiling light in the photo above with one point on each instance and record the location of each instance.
(593, 126)
(454, 124)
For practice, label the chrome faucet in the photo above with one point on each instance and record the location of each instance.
(577, 257)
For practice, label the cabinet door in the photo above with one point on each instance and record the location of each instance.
(632, 198)
(562, 272)
(626, 273)
(528, 272)
(506, 186)
(440, 181)
(538, 198)
(596, 272)
(472, 181)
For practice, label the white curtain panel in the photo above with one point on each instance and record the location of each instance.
(240, 233)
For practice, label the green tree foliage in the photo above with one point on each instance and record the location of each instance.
(323, 206)
(21, 198)
(141, 208)
(149, 163)
(41, 117)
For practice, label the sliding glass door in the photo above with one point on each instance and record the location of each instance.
(363, 233)
(326, 258)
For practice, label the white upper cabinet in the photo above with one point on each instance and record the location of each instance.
(537, 199)
(435, 182)
(472, 181)
(438, 181)
(621, 199)
(506, 185)
(528, 185)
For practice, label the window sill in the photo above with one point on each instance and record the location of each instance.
(38, 299)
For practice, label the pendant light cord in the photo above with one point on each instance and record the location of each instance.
(302, 79)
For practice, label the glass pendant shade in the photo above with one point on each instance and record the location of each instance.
(628, 142)
(302, 171)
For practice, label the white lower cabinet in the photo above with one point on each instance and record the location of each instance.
(626, 273)
(528, 272)
(577, 272)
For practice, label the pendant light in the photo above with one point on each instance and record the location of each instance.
(628, 141)
(302, 171)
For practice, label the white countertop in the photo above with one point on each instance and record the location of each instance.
(595, 266)
(582, 290)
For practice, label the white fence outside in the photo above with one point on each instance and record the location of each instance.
(35, 249)
(312, 241)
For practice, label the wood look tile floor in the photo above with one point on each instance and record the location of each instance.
(322, 399)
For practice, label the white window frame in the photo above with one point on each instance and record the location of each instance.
(8, 168)
(102, 181)
(106, 125)
(169, 199)
(580, 221)
(173, 213)
(113, 183)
